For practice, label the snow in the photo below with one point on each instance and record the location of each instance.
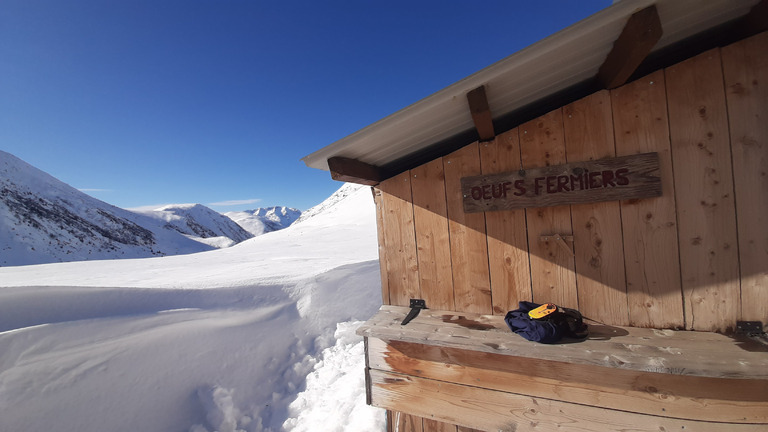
(255, 337)
(200, 223)
(266, 219)
(44, 220)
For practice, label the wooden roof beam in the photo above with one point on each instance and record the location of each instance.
(481, 113)
(354, 171)
(756, 21)
(637, 39)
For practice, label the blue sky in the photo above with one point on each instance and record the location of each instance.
(150, 102)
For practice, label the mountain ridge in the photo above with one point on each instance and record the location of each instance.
(44, 220)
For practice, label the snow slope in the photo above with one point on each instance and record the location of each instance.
(256, 337)
(263, 220)
(45, 220)
(200, 223)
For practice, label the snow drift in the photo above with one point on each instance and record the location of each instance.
(256, 337)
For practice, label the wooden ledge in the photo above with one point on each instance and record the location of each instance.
(695, 354)
(472, 371)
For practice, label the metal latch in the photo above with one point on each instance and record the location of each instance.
(416, 306)
(750, 328)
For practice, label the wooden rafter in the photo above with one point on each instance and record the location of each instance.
(637, 39)
(481, 113)
(354, 171)
(756, 21)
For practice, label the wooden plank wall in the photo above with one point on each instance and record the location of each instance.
(694, 258)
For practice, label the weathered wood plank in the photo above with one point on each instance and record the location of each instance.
(436, 426)
(469, 248)
(686, 353)
(598, 242)
(701, 157)
(506, 230)
(354, 171)
(481, 113)
(492, 410)
(402, 422)
(651, 254)
(399, 240)
(377, 200)
(635, 42)
(552, 269)
(432, 239)
(588, 181)
(684, 397)
(745, 66)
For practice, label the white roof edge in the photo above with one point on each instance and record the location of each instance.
(619, 12)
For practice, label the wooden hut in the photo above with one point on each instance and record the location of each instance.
(617, 167)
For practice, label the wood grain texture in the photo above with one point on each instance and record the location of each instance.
(598, 241)
(704, 192)
(637, 39)
(354, 171)
(469, 248)
(589, 181)
(507, 239)
(436, 426)
(481, 113)
(399, 240)
(745, 67)
(432, 236)
(651, 253)
(402, 422)
(377, 200)
(684, 397)
(553, 279)
(701, 354)
(492, 410)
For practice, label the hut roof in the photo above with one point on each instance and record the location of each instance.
(550, 73)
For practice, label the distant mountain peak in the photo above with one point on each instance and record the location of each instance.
(44, 220)
(199, 221)
(265, 219)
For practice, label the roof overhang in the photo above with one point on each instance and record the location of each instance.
(566, 64)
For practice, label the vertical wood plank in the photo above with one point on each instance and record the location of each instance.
(651, 253)
(701, 157)
(399, 240)
(382, 248)
(432, 240)
(510, 270)
(437, 426)
(598, 242)
(401, 422)
(552, 269)
(469, 248)
(745, 67)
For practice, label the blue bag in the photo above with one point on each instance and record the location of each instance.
(550, 329)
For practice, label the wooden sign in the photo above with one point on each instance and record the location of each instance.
(621, 178)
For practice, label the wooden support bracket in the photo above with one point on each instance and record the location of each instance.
(354, 171)
(481, 113)
(756, 21)
(637, 39)
(560, 240)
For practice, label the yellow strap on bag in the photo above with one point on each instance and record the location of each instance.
(542, 311)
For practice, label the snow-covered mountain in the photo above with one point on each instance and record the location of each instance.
(257, 337)
(44, 220)
(201, 223)
(329, 204)
(263, 220)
